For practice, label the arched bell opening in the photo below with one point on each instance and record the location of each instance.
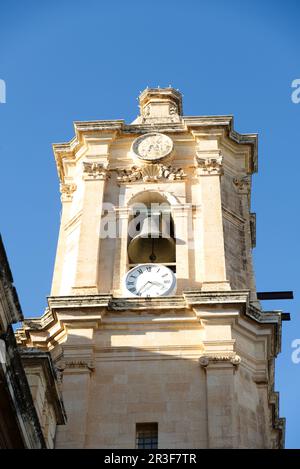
(151, 231)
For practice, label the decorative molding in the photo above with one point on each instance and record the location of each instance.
(94, 171)
(67, 191)
(150, 173)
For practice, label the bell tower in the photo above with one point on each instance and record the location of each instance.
(153, 319)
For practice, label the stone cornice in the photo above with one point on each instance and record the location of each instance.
(114, 127)
(123, 304)
(228, 297)
(264, 316)
(88, 301)
(188, 300)
(67, 150)
(91, 309)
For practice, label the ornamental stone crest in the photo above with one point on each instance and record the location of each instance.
(150, 173)
(152, 147)
(94, 171)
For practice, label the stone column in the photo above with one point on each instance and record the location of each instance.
(86, 279)
(209, 170)
(221, 400)
(66, 198)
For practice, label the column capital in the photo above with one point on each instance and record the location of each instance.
(67, 191)
(228, 359)
(242, 184)
(75, 366)
(95, 171)
(209, 162)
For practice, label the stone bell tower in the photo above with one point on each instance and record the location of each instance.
(153, 319)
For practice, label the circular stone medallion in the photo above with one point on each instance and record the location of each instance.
(152, 147)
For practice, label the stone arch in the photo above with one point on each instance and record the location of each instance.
(141, 196)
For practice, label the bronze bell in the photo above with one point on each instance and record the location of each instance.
(153, 243)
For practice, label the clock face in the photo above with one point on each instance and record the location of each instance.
(152, 147)
(146, 280)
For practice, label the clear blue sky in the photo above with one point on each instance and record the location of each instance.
(73, 60)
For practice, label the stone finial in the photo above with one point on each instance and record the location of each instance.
(159, 105)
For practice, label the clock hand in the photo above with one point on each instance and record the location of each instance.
(143, 287)
(157, 284)
(146, 289)
(153, 284)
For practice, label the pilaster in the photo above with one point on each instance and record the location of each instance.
(67, 190)
(86, 279)
(121, 258)
(222, 430)
(76, 376)
(209, 169)
(182, 217)
(243, 188)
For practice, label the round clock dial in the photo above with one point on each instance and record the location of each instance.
(152, 147)
(146, 280)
